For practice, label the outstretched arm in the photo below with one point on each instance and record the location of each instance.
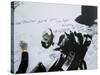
(24, 58)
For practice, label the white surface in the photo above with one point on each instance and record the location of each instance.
(5, 37)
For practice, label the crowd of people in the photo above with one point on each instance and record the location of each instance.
(72, 46)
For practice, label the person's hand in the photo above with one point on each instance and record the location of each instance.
(84, 40)
(23, 45)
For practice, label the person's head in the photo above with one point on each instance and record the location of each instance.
(88, 15)
(47, 38)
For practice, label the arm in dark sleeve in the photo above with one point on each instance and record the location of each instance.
(24, 63)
